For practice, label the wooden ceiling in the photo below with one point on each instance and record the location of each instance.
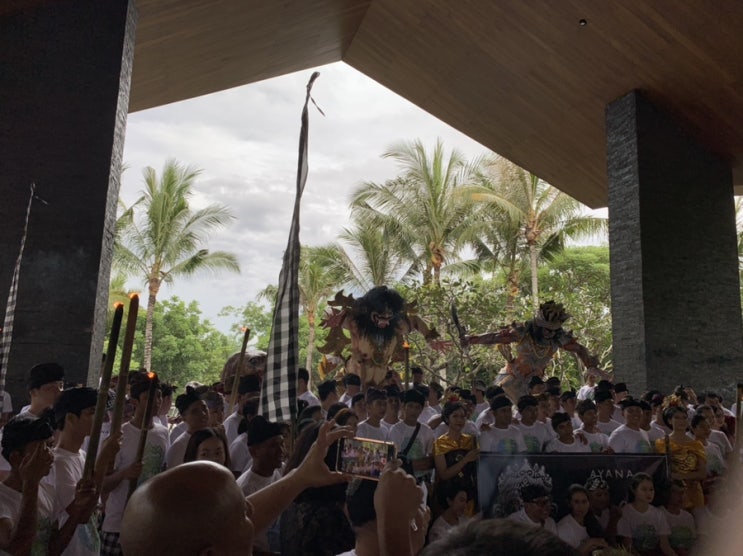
(524, 78)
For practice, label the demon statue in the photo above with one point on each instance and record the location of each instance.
(377, 323)
(537, 341)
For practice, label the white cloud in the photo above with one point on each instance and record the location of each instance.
(245, 141)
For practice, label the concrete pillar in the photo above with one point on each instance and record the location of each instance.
(65, 70)
(674, 267)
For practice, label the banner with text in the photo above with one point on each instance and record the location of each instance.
(501, 477)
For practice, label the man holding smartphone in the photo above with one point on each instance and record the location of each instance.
(414, 440)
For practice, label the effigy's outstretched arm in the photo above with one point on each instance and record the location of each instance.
(503, 336)
(590, 361)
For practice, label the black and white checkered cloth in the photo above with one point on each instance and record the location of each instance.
(279, 394)
(7, 335)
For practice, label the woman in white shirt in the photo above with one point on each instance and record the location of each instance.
(580, 528)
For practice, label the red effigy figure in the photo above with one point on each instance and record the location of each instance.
(536, 342)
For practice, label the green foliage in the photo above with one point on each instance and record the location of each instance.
(187, 347)
(256, 317)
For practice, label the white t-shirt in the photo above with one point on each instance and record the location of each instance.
(251, 482)
(152, 463)
(556, 445)
(240, 457)
(536, 436)
(645, 529)
(310, 398)
(715, 460)
(429, 413)
(721, 439)
(625, 440)
(422, 446)
(585, 392)
(521, 516)
(609, 427)
(10, 508)
(479, 408)
(177, 431)
(68, 470)
(367, 430)
(484, 418)
(503, 441)
(597, 441)
(656, 432)
(683, 529)
(441, 528)
(571, 531)
(177, 451)
(7, 403)
(231, 424)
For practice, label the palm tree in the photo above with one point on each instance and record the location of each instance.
(420, 209)
(368, 258)
(160, 238)
(544, 216)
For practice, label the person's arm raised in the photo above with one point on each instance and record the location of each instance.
(268, 503)
(397, 501)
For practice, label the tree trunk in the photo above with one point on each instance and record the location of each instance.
(154, 288)
(534, 278)
(310, 341)
(512, 290)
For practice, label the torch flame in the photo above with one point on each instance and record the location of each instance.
(151, 375)
(405, 345)
(243, 329)
(118, 304)
(133, 295)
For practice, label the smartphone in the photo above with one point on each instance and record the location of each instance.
(363, 457)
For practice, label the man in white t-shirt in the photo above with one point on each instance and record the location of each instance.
(328, 394)
(240, 458)
(586, 391)
(45, 384)
(376, 406)
(248, 388)
(565, 441)
(195, 414)
(73, 416)
(392, 414)
(597, 441)
(630, 438)
(536, 436)
(303, 391)
(127, 467)
(502, 437)
(537, 506)
(433, 406)
(352, 383)
(266, 444)
(481, 402)
(419, 454)
(605, 410)
(28, 510)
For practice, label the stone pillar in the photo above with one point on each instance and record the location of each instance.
(65, 71)
(674, 266)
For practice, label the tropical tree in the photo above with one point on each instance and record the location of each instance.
(159, 238)
(545, 217)
(419, 210)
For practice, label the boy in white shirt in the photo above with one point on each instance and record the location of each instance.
(376, 405)
(565, 441)
(605, 409)
(420, 453)
(598, 442)
(502, 437)
(535, 433)
(630, 438)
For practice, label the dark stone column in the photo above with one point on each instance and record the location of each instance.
(674, 266)
(65, 70)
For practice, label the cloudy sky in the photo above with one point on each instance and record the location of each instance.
(245, 141)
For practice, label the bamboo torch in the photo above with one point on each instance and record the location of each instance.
(738, 422)
(126, 358)
(100, 406)
(406, 347)
(149, 408)
(236, 379)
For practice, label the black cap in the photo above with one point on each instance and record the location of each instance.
(74, 400)
(326, 387)
(630, 402)
(530, 493)
(620, 387)
(44, 373)
(22, 430)
(260, 430)
(500, 401)
(352, 380)
(413, 396)
(602, 396)
(567, 395)
(184, 401)
(392, 391)
(527, 401)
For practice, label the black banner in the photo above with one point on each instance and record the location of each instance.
(500, 477)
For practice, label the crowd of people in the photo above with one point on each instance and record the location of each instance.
(208, 478)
